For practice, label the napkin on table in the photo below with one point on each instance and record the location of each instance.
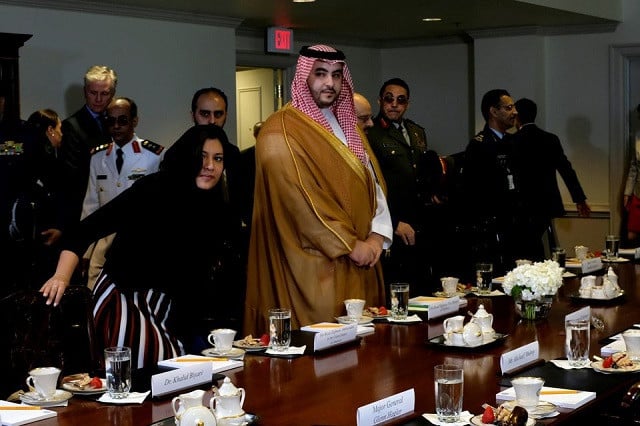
(563, 363)
(465, 418)
(132, 398)
(410, 318)
(291, 350)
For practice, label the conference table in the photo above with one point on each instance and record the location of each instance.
(328, 387)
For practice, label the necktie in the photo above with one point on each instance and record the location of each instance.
(119, 159)
(405, 134)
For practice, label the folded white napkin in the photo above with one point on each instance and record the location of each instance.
(465, 418)
(410, 318)
(133, 398)
(291, 350)
(563, 363)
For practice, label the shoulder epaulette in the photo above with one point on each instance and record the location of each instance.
(156, 148)
(100, 148)
(479, 137)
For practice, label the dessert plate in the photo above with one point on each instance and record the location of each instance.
(597, 366)
(346, 320)
(231, 353)
(477, 420)
(87, 390)
(33, 398)
(249, 347)
(543, 410)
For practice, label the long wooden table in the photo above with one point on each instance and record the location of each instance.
(327, 388)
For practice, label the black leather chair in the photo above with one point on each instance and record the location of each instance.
(627, 412)
(34, 334)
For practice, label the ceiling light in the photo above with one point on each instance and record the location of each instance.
(432, 19)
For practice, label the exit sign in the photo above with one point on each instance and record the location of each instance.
(279, 40)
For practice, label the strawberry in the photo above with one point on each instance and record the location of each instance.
(382, 311)
(264, 340)
(96, 383)
(607, 362)
(488, 416)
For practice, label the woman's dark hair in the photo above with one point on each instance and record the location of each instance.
(41, 120)
(184, 157)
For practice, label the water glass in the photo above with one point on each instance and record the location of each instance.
(612, 244)
(484, 276)
(117, 363)
(279, 329)
(449, 385)
(399, 300)
(577, 341)
(559, 255)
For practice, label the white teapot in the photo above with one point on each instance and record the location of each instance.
(227, 400)
(485, 321)
(190, 409)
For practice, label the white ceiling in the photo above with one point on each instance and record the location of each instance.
(378, 23)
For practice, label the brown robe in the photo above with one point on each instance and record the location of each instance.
(313, 200)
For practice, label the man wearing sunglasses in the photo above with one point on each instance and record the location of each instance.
(415, 192)
(114, 167)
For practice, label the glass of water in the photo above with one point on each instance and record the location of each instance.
(117, 363)
(484, 276)
(577, 342)
(449, 387)
(612, 244)
(279, 329)
(399, 300)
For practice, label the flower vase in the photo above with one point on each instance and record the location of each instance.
(536, 309)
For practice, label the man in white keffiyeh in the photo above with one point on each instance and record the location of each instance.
(320, 217)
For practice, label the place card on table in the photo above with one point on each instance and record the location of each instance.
(519, 357)
(436, 306)
(580, 314)
(565, 398)
(331, 334)
(630, 252)
(196, 370)
(387, 409)
(18, 414)
(591, 265)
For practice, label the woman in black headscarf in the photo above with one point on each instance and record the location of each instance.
(174, 235)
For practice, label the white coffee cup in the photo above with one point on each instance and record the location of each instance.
(44, 380)
(527, 390)
(632, 342)
(581, 252)
(222, 339)
(453, 324)
(354, 309)
(449, 285)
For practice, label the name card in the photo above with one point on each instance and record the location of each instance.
(181, 378)
(591, 265)
(580, 314)
(387, 409)
(334, 336)
(444, 307)
(518, 357)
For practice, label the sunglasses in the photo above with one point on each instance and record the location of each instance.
(122, 120)
(400, 100)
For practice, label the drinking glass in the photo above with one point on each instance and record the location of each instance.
(612, 245)
(449, 386)
(484, 272)
(559, 255)
(117, 363)
(279, 329)
(399, 300)
(577, 342)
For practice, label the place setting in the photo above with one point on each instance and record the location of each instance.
(42, 384)
(223, 345)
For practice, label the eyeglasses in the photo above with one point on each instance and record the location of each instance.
(122, 120)
(389, 99)
(509, 107)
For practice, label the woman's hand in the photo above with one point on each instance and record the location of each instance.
(54, 288)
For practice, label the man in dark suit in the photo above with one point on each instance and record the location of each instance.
(539, 155)
(85, 130)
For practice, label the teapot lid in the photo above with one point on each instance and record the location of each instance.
(227, 388)
(481, 312)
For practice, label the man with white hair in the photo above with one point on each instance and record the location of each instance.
(321, 219)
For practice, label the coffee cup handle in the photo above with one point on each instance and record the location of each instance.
(211, 338)
(212, 405)
(30, 384)
(173, 406)
(242, 394)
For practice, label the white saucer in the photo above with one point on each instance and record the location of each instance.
(33, 398)
(346, 320)
(232, 353)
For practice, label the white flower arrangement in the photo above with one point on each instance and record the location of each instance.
(532, 282)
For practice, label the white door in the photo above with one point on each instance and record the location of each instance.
(255, 101)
